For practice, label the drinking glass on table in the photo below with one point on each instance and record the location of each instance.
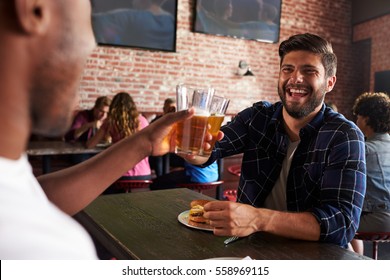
(218, 109)
(190, 133)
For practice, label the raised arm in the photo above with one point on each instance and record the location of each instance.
(74, 188)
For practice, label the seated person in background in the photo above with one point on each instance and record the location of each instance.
(373, 118)
(87, 122)
(123, 121)
(169, 106)
(190, 174)
(171, 159)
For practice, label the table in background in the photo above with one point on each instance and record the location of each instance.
(46, 149)
(144, 225)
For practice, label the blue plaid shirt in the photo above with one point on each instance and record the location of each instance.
(327, 173)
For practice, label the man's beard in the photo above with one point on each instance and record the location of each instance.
(301, 111)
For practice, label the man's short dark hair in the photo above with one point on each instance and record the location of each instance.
(314, 44)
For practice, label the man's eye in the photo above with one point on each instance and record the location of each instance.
(287, 69)
(310, 71)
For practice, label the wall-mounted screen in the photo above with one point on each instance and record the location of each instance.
(247, 19)
(148, 24)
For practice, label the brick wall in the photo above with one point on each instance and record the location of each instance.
(151, 76)
(378, 31)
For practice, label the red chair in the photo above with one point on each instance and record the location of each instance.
(375, 238)
(200, 187)
(230, 195)
(235, 170)
(128, 185)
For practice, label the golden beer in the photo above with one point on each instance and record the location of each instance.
(214, 124)
(190, 135)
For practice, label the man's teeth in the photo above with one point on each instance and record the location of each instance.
(298, 91)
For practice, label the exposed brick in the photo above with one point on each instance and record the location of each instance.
(212, 60)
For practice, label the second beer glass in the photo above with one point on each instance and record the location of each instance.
(218, 109)
(190, 133)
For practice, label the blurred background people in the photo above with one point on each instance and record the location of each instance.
(169, 106)
(85, 125)
(190, 174)
(373, 118)
(87, 122)
(123, 121)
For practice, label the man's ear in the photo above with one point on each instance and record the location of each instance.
(33, 15)
(331, 83)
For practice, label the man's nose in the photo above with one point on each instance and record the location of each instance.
(296, 77)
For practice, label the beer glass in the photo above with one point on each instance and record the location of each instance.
(218, 109)
(190, 133)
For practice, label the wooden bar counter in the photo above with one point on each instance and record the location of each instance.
(144, 225)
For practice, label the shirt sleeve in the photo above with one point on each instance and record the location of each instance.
(343, 187)
(143, 122)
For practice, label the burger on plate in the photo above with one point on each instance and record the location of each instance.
(196, 211)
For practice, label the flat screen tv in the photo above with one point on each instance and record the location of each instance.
(147, 24)
(247, 19)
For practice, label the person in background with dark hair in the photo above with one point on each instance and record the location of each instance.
(87, 122)
(169, 107)
(85, 125)
(373, 118)
(303, 168)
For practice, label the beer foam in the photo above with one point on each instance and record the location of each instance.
(201, 112)
(217, 115)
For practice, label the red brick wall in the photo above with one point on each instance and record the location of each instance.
(378, 30)
(151, 76)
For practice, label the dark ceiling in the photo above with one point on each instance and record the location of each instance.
(363, 10)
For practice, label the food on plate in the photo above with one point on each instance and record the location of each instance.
(196, 211)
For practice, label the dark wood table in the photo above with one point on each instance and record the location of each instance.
(145, 225)
(46, 149)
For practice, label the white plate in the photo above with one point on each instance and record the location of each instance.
(225, 258)
(183, 218)
(103, 145)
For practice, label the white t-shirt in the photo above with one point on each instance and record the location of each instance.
(277, 199)
(31, 227)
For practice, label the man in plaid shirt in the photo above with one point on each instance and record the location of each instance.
(303, 169)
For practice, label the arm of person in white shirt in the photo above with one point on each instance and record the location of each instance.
(73, 188)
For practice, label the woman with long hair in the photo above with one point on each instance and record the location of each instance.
(123, 121)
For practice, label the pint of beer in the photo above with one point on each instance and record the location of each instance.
(190, 133)
(218, 109)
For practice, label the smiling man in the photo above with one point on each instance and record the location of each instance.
(303, 168)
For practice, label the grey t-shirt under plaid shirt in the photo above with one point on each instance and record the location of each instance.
(327, 173)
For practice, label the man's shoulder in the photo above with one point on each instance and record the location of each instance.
(337, 124)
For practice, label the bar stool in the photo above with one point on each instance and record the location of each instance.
(230, 195)
(235, 170)
(128, 185)
(200, 187)
(375, 238)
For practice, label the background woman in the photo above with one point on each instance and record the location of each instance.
(123, 121)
